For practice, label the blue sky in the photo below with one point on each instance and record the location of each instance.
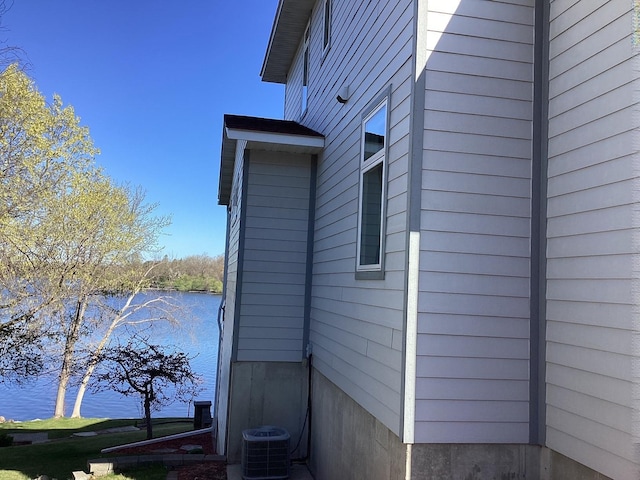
(152, 80)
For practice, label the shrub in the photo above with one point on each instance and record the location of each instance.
(5, 440)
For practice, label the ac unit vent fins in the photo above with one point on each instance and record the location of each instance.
(265, 453)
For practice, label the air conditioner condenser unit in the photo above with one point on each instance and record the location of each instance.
(265, 453)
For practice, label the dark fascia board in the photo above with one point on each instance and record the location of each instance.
(227, 161)
(268, 125)
(263, 134)
(288, 28)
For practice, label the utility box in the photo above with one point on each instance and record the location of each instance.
(265, 453)
(201, 414)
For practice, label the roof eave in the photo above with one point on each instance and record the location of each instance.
(227, 161)
(310, 144)
(290, 142)
(288, 28)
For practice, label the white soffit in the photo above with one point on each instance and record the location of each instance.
(277, 141)
(287, 31)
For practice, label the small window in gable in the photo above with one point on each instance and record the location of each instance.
(372, 190)
(305, 71)
(235, 204)
(326, 36)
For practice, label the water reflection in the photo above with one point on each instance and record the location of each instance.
(198, 335)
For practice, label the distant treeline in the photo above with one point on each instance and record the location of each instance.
(196, 273)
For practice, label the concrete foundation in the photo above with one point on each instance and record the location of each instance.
(349, 443)
(558, 467)
(267, 393)
(475, 461)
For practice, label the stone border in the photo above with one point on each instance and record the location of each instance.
(142, 443)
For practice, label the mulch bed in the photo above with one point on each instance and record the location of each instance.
(204, 471)
(199, 471)
(204, 439)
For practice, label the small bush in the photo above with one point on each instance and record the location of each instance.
(5, 440)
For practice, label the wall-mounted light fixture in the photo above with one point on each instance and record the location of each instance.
(343, 94)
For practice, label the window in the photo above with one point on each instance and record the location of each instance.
(372, 189)
(326, 36)
(305, 70)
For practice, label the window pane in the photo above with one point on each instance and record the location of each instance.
(305, 79)
(374, 131)
(327, 23)
(371, 216)
(305, 67)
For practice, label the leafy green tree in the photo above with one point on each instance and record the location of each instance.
(69, 237)
(97, 231)
(42, 148)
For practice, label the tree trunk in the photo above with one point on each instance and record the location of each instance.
(93, 363)
(95, 357)
(147, 412)
(67, 358)
(83, 386)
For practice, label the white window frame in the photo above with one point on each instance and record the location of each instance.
(370, 270)
(327, 8)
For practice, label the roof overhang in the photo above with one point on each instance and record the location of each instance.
(255, 133)
(288, 28)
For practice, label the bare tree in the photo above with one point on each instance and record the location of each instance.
(9, 54)
(157, 308)
(146, 370)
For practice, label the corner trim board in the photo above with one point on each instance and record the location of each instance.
(310, 242)
(414, 200)
(537, 322)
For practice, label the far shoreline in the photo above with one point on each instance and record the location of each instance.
(160, 289)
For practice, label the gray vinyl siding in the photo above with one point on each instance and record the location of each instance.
(275, 246)
(590, 236)
(356, 326)
(472, 382)
(293, 90)
(226, 350)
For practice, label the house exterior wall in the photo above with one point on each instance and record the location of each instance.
(590, 235)
(262, 378)
(472, 380)
(357, 325)
(475, 140)
(227, 343)
(267, 393)
(275, 254)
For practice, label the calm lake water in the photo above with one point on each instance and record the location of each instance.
(197, 336)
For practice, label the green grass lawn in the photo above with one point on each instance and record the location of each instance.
(65, 454)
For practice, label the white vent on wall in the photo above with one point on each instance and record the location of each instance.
(265, 453)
